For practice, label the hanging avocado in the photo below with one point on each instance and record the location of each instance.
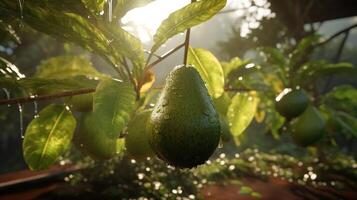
(309, 127)
(81, 103)
(137, 140)
(292, 103)
(185, 128)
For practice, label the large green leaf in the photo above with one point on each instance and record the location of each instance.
(38, 86)
(314, 69)
(342, 98)
(209, 68)
(184, 18)
(347, 121)
(127, 45)
(113, 103)
(241, 112)
(48, 136)
(75, 28)
(66, 66)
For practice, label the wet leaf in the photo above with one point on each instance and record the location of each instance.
(48, 136)
(184, 18)
(113, 103)
(241, 112)
(209, 68)
(66, 66)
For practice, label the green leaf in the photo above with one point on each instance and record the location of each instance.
(38, 86)
(66, 25)
(209, 68)
(184, 18)
(241, 112)
(343, 98)
(315, 69)
(221, 104)
(94, 6)
(127, 45)
(48, 136)
(123, 6)
(66, 66)
(113, 103)
(9, 70)
(347, 121)
(245, 190)
(275, 56)
(233, 64)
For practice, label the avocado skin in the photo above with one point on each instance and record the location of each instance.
(185, 126)
(90, 139)
(137, 140)
(82, 103)
(309, 127)
(292, 104)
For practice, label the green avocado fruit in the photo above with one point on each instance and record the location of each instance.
(185, 128)
(90, 139)
(292, 104)
(81, 103)
(137, 140)
(309, 127)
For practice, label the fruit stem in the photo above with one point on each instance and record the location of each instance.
(187, 42)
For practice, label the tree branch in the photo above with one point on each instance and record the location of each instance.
(163, 57)
(337, 34)
(154, 54)
(31, 99)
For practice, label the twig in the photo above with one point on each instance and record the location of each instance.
(341, 47)
(165, 56)
(154, 54)
(337, 34)
(337, 59)
(31, 99)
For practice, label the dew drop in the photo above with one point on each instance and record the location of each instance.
(21, 8)
(110, 10)
(166, 117)
(7, 93)
(21, 120)
(35, 109)
(220, 144)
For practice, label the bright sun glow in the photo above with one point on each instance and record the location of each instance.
(144, 21)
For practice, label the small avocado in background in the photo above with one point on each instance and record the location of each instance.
(309, 127)
(291, 103)
(137, 140)
(90, 139)
(81, 103)
(185, 128)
